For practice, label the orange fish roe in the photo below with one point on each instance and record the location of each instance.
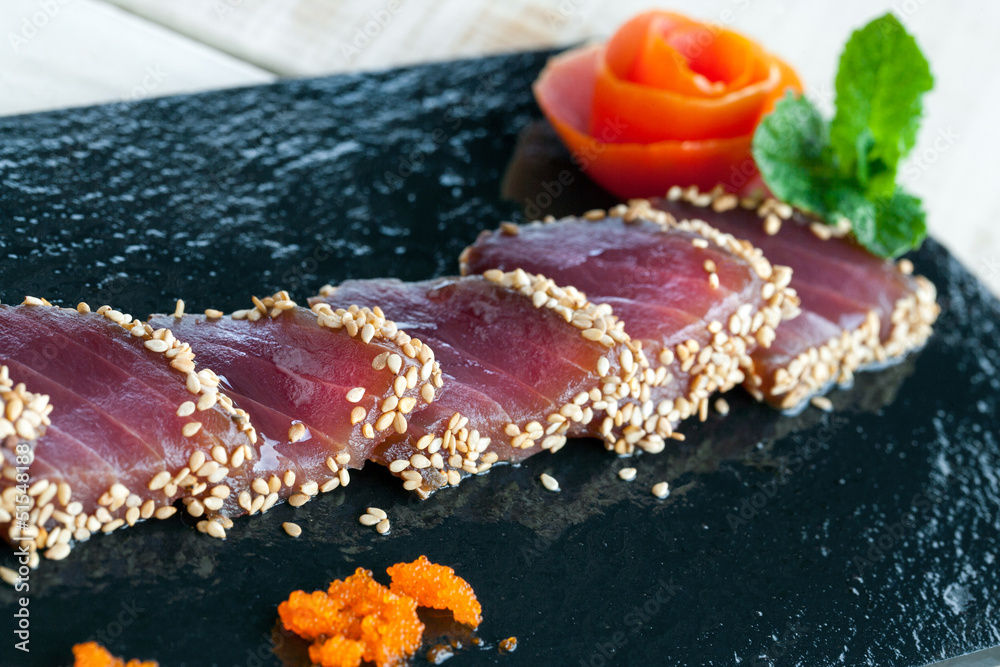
(436, 586)
(370, 622)
(310, 615)
(337, 652)
(92, 654)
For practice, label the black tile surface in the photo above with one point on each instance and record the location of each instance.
(866, 536)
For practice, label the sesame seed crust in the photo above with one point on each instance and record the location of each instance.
(50, 518)
(414, 378)
(715, 360)
(834, 361)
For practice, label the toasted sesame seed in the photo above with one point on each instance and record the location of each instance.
(219, 454)
(343, 458)
(156, 345)
(207, 400)
(298, 499)
(549, 482)
(358, 414)
(382, 527)
(661, 490)
(293, 529)
(394, 362)
(385, 420)
(213, 503)
(60, 551)
(296, 432)
(112, 526)
(179, 309)
(190, 429)
(722, 406)
(627, 474)
(8, 575)
(356, 394)
(399, 465)
(289, 478)
(822, 402)
(269, 502)
(375, 511)
(368, 519)
(216, 530)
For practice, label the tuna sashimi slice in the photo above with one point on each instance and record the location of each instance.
(698, 301)
(525, 363)
(323, 390)
(133, 425)
(859, 310)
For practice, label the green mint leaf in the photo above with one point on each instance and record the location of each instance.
(889, 226)
(880, 83)
(792, 150)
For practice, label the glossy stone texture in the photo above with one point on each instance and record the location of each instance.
(762, 554)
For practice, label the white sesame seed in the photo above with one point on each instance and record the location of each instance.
(661, 490)
(296, 432)
(822, 402)
(627, 474)
(156, 345)
(368, 519)
(216, 530)
(549, 482)
(8, 575)
(60, 551)
(382, 526)
(356, 394)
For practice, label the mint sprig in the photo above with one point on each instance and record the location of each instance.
(847, 168)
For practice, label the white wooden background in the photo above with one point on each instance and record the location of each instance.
(60, 53)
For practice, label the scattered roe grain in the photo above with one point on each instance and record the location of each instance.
(92, 654)
(436, 586)
(360, 619)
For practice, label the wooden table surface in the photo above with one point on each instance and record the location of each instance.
(62, 53)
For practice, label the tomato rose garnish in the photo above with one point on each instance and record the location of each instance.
(667, 101)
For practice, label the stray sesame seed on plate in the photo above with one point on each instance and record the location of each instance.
(627, 474)
(293, 529)
(661, 490)
(375, 511)
(549, 482)
(368, 519)
(722, 406)
(382, 527)
(823, 403)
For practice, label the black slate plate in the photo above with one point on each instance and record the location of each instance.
(866, 536)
